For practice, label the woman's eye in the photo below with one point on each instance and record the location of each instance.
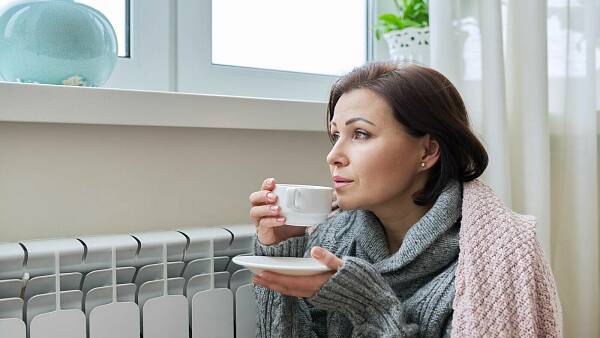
(361, 135)
(358, 135)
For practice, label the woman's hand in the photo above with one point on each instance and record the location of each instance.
(300, 286)
(270, 225)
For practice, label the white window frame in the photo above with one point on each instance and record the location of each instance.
(197, 74)
(150, 65)
(170, 50)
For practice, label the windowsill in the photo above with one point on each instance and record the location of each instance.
(63, 104)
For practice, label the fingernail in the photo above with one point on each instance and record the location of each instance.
(270, 196)
(317, 253)
(280, 219)
(274, 207)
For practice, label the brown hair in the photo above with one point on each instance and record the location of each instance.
(424, 102)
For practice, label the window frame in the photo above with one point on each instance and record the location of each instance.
(196, 73)
(150, 65)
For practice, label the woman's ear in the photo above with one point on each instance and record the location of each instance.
(431, 152)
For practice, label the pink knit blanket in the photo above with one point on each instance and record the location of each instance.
(504, 284)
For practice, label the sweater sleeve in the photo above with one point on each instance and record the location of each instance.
(291, 247)
(280, 315)
(363, 296)
(285, 316)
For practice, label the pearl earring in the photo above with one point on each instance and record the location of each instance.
(422, 164)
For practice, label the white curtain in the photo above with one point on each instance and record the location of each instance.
(529, 73)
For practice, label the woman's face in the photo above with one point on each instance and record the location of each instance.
(374, 152)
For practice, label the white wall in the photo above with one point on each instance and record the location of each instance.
(62, 180)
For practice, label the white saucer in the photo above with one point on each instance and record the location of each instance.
(292, 266)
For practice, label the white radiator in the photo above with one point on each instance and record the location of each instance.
(114, 286)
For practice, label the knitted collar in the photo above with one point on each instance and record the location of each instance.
(425, 235)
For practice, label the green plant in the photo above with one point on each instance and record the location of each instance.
(413, 13)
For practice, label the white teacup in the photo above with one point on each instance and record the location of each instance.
(304, 205)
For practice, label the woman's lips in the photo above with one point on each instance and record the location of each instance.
(341, 184)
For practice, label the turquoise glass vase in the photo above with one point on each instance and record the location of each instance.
(56, 42)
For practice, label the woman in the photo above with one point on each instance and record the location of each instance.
(420, 246)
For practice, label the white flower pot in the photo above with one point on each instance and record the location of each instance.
(409, 45)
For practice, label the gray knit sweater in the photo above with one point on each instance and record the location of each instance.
(374, 294)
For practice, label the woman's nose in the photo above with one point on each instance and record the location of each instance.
(336, 157)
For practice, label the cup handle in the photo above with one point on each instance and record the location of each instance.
(292, 195)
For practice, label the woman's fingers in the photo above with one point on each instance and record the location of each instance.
(327, 258)
(301, 286)
(298, 286)
(262, 197)
(270, 222)
(263, 204)
(268, 210)
(268, 184)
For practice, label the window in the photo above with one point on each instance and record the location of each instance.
(280, 49)
(310, 36)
